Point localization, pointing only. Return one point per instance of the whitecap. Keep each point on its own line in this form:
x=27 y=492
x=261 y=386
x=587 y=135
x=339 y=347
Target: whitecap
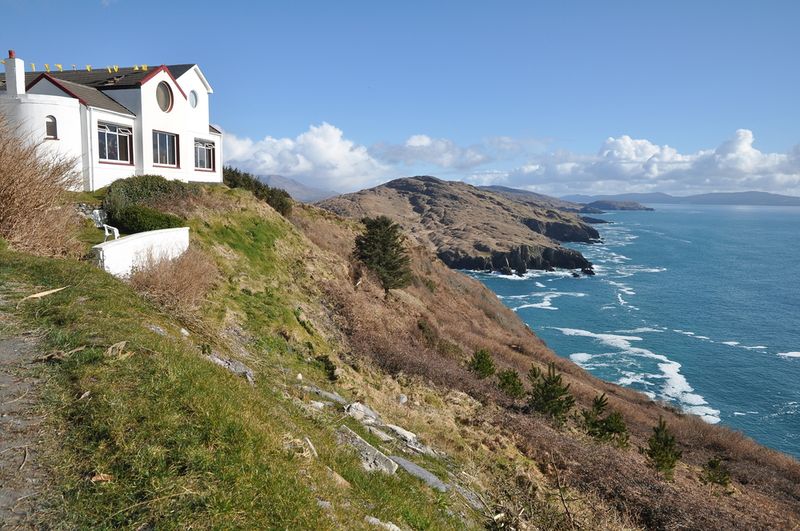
x=739 y=414
x=789 y=354
x=675 y=386
x=640 y=330
x=580 y=357
x=757 y=347
x=547 y=297
x=539 y=285
x=730 y=343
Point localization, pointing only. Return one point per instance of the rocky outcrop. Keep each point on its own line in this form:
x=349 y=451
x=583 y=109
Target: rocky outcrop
x=372 y=459
x=472 y=228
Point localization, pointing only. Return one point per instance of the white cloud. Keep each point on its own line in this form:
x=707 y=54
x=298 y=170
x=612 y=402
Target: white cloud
x=440 y=152
x=626 y=164
x=320 y=157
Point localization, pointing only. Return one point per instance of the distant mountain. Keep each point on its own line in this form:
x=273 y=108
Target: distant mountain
x=298 y=191
x=539 y=200
x=473 y=228
x=719 y=198
x=606 y=204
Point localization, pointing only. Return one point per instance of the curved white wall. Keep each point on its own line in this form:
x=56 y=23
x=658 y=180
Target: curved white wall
x=120 y=257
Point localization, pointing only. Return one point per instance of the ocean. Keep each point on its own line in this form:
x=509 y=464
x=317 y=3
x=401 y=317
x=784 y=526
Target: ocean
x=695 y=305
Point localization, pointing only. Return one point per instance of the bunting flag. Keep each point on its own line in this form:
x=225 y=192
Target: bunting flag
x=144 y=67
x=116 y=68
x=33 y=67
x=109 y=69
x=60 y=67
x=46 y=67
x=88 y=68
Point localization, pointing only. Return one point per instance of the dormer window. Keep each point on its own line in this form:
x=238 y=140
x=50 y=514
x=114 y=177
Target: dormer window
x=164 y=96
x=51 y=128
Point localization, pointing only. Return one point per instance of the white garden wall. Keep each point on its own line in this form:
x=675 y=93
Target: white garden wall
x=120 y=257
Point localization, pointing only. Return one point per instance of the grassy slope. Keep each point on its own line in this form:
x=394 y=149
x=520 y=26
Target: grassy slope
x=186 y=443
x=190 y=445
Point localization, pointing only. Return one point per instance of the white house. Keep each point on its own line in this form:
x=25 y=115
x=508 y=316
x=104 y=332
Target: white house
x=118 y=123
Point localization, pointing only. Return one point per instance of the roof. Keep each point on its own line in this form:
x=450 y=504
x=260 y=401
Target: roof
x=102 y=79
x=212 y=129
x=89 y=86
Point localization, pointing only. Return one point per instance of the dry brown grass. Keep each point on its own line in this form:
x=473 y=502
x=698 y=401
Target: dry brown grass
x=35 y=216
x=178 y=285
x=463 y=312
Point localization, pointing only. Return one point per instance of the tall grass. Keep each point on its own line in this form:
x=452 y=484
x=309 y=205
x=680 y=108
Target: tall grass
x=34 y=213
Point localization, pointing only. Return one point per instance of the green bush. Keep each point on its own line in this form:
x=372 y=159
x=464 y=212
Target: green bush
x=715 y=471
x=277 y=198
x=662 y=451
x=138 y=218
x=382 y=249
x=509 y=382
x=482 y=363
x=549 y=394
x=143 y=190
x=610 y=428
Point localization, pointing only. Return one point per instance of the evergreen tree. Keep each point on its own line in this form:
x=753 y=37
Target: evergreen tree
x=549 y=394
x=482 y=363
x=662 y=450
x=382 y=249
x=510 y=383
x=715 y=471
x=610 y=428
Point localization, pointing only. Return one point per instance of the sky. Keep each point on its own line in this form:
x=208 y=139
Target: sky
x=555 y=97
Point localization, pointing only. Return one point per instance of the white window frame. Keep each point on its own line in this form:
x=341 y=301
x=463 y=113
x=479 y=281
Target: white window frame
x=205 y=155
x=159 y=150
x=116 y=132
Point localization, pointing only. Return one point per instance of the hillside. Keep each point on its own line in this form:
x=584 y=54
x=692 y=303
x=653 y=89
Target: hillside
x=470 y=228
x=607 y=204
x=719 y=198
x=152 y=433
x=538 y=200
x=298 y=191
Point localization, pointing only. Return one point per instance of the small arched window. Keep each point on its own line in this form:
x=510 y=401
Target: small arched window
x=51 y=128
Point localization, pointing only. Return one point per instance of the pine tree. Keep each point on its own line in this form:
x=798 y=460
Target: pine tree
x=509 y=382
x=549 y=394
x=662 y=450
x=610 y=428
x=382 y=249
x=482 y=363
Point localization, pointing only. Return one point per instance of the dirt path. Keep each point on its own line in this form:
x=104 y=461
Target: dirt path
x=21 y=476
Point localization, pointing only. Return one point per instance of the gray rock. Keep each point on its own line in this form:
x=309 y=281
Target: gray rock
x=380 y=434
x=472 y=499
x=157 y=329
x=236 y=367
x=334 y=397
x=324 y=504
x=377 y=523
x=184 y=332
x=363 y=413
x=402 y=398
x=419 y=472
x=411 y=440
x=371 y=458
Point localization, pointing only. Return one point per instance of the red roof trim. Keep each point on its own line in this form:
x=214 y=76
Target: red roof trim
x=55 y=82
x=162 y=68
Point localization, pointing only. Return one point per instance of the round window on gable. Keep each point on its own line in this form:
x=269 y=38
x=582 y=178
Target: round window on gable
x=164 y=96
x=193 y=99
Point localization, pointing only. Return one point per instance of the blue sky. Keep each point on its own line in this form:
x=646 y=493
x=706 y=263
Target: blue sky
x=557 y=97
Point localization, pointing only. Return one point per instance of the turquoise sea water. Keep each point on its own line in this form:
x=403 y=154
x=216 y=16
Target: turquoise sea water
x=696 y=305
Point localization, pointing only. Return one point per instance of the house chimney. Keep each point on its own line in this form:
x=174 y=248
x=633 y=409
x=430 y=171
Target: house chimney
x=15 y=75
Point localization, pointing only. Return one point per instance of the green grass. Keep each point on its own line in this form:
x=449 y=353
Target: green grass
x=186 y=443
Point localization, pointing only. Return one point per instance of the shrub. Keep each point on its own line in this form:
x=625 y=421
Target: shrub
x=482 y=363
x=549 y=394
x=177 y=285
x=277 y=198
x=138 y=218
x=35 y=215
x=715 y=471
x=144 y=190
x=610 y=428
x=328 y=366
x=509 y=382
x=662 y=451
x=382 y=249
